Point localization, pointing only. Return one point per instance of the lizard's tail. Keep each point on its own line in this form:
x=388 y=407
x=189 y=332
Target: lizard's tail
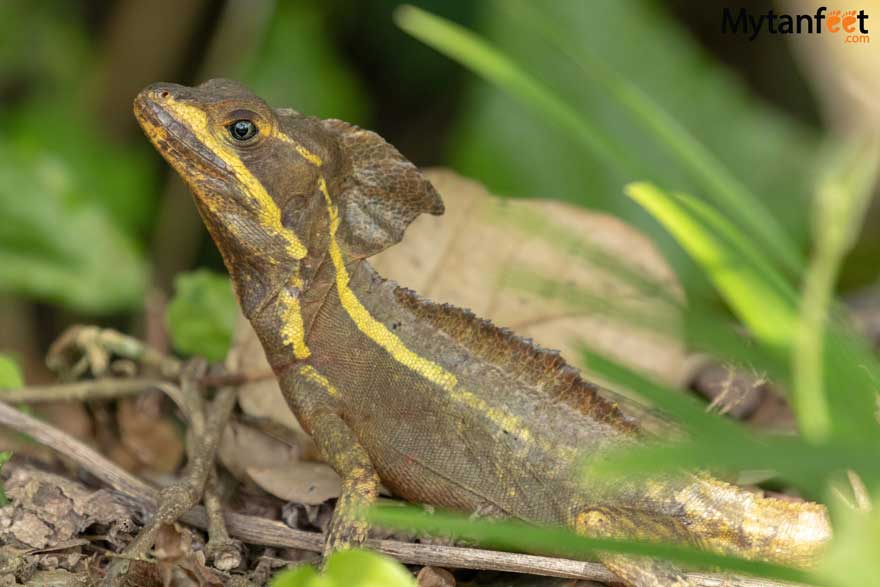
x=712 y=515
x=731 y=520
x=636 y=571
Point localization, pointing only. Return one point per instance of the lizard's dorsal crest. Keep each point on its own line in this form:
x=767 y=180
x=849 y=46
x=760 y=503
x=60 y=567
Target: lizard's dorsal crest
x=380 y=194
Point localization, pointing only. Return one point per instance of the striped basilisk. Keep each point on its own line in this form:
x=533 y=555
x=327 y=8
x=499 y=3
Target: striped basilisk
x=443 y=407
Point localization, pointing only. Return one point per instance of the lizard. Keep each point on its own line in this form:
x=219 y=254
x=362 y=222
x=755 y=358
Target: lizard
x=437 y=404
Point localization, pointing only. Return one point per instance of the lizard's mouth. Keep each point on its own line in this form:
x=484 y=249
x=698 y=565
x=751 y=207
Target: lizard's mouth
x=209 y=178
x=174 y=139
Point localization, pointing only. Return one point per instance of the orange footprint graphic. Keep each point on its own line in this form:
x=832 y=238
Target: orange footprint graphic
x=849 y=19
x=834 y=21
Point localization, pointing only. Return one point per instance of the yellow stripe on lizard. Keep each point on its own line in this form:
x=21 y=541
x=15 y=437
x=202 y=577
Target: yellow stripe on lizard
x=312 y=374
x=306 y=154
x=268 y=212
x=293 y=331
x=365 y=322
x=386 y=339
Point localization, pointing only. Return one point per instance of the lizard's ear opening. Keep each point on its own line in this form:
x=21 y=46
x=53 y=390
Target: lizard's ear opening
x=381 y=194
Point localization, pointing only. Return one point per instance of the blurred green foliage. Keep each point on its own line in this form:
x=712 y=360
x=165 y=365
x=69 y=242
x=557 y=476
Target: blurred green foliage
x=349 y=568
x=201 y=316
x=515 y=151
x=70 y=209
x=72 y=199
x=4 y=457
x=297 y=66
x=10 y=374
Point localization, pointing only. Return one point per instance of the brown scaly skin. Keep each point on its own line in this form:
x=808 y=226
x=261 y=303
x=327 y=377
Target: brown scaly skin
x=441 y=406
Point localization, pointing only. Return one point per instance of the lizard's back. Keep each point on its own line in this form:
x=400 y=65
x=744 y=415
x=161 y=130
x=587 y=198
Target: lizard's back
x=459 y=412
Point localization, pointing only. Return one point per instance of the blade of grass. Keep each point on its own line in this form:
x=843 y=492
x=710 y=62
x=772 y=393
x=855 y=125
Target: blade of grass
x=757 y=294
x=731 y=195
x=805 y=466
x=470 y=50
x=764 y=302
x=840 y=205
x=519 y=536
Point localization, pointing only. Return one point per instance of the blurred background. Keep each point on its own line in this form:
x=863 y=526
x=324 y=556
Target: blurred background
x=94 y=227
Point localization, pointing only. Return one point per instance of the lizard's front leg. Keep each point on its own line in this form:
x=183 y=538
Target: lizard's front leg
x=360 y=484
x=320 y=414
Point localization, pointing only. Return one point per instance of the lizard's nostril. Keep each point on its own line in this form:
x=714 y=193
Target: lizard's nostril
x=163 y=94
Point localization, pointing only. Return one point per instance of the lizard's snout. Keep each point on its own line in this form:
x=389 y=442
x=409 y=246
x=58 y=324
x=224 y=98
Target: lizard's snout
x=159 y=93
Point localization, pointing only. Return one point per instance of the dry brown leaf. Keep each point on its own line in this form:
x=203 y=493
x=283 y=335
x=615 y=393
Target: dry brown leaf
x=473 y=257
x=243 y=446
x=301 y=482
x=155 y=442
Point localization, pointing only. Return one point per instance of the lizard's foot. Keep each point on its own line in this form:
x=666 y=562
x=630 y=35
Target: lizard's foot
x=347 y=529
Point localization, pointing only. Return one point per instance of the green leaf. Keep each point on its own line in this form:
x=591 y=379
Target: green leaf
x=718 y=184
x=4 y=457
x=807 y=467
x=302 y=576
x=201 y=315
x=362 y=568
x=466 y=47
x=10 y=374
x=349 y=568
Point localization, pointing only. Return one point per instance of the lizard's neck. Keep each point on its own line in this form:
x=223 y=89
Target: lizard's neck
x=285 y=321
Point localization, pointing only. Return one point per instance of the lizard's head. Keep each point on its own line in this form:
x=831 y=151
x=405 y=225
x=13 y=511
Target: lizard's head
x=267 y=182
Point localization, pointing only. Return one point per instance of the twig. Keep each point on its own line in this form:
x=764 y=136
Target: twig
x=224 y=551
x=81 y=348
x=175 y=500
x=83 y=455
x=236 y=379
x=106 y=388
x=254 y=530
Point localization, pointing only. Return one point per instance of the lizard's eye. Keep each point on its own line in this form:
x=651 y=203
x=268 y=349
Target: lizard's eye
x=242 y=130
